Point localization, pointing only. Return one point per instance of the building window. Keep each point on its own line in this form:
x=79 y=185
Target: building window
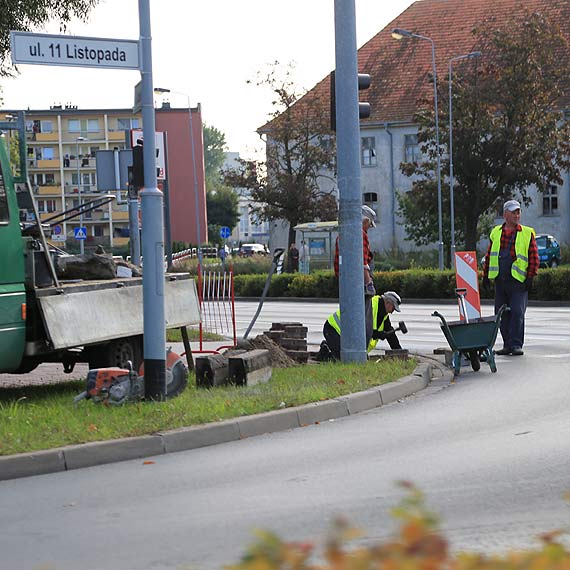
x=46 y=206
x=368 y=151
x=370 y=197
x=92 y=125
x=50 y=179
x=127 y=124
x=47 y=153
x=550 y=201
x=98 y=231
x=46 y=127
x=412 y=148
x=74 y=125
x=93 y=150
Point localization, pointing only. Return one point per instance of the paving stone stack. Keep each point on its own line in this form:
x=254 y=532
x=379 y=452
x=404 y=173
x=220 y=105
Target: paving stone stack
x=292 y=337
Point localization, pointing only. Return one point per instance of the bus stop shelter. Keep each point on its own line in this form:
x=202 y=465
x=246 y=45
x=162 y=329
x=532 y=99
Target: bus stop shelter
x=319 y=239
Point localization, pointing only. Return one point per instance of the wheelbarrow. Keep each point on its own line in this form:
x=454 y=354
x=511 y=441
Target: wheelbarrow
x=473 y=339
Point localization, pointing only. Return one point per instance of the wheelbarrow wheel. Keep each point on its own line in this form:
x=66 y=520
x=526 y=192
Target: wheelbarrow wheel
x=474 y=358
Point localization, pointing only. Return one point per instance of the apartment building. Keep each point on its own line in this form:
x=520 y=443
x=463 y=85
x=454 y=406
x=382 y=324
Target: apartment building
x=62 y=143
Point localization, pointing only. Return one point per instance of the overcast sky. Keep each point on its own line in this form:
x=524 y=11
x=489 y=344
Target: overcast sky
x=206 y=49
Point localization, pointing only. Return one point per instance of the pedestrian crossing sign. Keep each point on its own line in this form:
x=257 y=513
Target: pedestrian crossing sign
x=80 y=233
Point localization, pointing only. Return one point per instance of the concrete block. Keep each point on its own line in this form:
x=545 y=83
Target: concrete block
x=268 y=422
x=250 y=368
x=200 y=436
x=212 y=370
x=298 y=355
x=404 y=387
x=322 y=411
x=363 y=401
x=29 y=464
x=281 y=326
x=292 y=343
x=295 y=331
x=274 y=335
x=396 y=353
x=100 y=452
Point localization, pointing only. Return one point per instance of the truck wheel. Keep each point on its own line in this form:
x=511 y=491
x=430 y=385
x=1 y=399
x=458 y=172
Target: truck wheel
x=117 y=353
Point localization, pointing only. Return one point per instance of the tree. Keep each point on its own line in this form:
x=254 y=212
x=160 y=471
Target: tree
x=506 y=131
x=28 y=15
x=214 y=155
x=291 y=184
x=222 y=207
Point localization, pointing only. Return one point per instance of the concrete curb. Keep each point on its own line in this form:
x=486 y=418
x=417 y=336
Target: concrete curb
x=184 y=439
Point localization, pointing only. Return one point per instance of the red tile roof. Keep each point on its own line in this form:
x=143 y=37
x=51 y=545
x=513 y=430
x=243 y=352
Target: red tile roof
x=401 y=70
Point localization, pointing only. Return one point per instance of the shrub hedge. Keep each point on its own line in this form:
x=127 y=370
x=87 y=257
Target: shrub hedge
x=549 y=285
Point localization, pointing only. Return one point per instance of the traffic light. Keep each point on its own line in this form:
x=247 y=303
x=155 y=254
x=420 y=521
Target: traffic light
x=363 y=108
x=363 y=84
x=137 y=179
x=138 y=166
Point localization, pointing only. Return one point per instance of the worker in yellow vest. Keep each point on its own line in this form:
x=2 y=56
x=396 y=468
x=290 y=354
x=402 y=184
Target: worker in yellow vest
x=378 y=326
x=512 y=261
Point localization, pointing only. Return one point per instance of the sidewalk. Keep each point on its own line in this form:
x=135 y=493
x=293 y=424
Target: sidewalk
x=98 y=453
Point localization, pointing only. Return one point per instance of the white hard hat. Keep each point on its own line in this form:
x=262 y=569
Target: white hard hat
x=394 y=298
x=369 y=214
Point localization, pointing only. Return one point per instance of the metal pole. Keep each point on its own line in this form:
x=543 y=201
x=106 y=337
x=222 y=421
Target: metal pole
x=439 y=202
x=451 y=181
x=353 y=333
x=81 y=244
x=196 y=199
x=153 y=233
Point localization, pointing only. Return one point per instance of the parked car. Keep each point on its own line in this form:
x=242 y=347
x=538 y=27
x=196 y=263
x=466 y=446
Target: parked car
x=548 y=250
x=250 y=249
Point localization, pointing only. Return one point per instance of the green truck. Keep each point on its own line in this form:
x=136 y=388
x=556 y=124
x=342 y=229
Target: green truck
x=45 y=319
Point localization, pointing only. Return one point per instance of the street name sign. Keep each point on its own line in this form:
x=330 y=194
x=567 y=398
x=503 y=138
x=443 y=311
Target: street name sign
x=74 y=51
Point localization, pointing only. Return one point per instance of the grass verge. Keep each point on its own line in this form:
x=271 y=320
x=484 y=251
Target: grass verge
x=43 y=417
x=174 y=335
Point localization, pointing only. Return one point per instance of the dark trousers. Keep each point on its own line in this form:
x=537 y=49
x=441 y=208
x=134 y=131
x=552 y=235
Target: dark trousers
x=511 y=292
x=332 y=338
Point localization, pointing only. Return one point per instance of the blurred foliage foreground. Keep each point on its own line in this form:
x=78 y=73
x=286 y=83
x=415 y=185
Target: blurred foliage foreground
x=418 y=545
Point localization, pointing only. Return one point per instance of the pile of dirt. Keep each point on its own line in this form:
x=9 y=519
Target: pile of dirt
x=279 y=358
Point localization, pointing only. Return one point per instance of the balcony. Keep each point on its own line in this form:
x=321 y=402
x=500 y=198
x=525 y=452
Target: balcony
x=117 y=216
x=116 y=136
x=52 y=164
x=47 y=190
x=46 y=137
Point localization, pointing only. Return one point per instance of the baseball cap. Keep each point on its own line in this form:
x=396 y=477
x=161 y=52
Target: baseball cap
x=394 y=298
x=511 y=206
x=369 y=214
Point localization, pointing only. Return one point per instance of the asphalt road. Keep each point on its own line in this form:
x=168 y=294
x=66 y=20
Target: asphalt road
x=490 y=451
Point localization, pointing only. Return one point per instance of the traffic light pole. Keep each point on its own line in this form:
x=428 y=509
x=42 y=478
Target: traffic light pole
x=353 y=332
x=153 y=232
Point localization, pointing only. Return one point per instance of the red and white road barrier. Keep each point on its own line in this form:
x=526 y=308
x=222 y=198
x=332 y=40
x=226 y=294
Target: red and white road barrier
x=466 y=276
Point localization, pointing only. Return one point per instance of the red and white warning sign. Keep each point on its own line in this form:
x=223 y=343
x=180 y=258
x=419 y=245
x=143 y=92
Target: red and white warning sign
x=466 y=276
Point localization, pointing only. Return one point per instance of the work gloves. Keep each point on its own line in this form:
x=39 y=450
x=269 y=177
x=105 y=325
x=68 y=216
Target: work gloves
x=528 y=284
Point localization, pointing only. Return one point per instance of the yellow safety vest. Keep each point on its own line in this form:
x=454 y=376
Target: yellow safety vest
x=520 y=264
x=334 y=321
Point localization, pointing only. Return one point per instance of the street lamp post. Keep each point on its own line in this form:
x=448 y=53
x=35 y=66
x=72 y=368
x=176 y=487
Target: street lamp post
x=398 y=34
x=81 y=241
x=195 y=175
x=470 y=55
